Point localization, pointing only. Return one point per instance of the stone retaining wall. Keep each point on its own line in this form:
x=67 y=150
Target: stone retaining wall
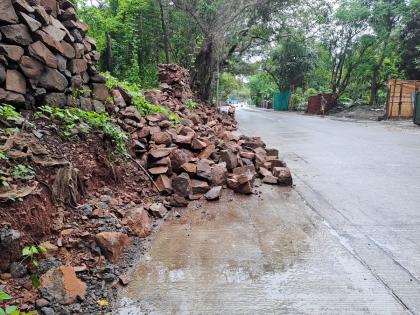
x=46 y=57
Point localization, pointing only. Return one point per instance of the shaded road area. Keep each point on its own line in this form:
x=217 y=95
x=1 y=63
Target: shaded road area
x=344 y=241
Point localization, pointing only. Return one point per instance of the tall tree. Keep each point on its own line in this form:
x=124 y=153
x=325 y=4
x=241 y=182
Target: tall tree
x=347 y=39
x=218 y=20
x=290 y=63
x=384 y=20
x=410 y=46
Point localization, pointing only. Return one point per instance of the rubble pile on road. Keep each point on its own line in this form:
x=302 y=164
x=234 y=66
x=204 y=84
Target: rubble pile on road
x=203 y=152
x=84 y=208
x=46 y=57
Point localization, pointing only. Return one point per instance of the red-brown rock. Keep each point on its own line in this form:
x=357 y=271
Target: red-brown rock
x=7 y=12
x=112 y=244
x=218 y=174
x=17 y=34
x=52 y=79
x=49 y=41
x=158 y=210
x=181 y=185
x=284 y=176
x=229 y=158
x=164 y=184
x=178 y=158
x=100 y=91
x=12 y=52
x=197 y=144
x=199 y=187
x=15 y=82
x=190 y=168
x=207 y=152
x=68 y=50
x=158 y=170
x=78 y=66
x=23 y=6
x=39 y=51
x=50 y=6
x=139 y=221
x=32 y=23
x=11 y=97
x=162 y=137
x=204 y=170
x=63 y=285
x=31 y=67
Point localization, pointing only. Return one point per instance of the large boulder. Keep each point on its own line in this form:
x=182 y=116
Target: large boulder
x=63 y=285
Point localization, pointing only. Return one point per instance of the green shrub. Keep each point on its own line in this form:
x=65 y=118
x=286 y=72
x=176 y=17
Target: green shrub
x=2 y=155
x=191 y=104
x=34 y=253
x=142 y=105
x=76 y=119
x=23 y=172
x=9 y=114
x=4 y=184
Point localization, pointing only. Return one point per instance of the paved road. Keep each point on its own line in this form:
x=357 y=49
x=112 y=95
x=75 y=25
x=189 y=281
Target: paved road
x=344 y=241
x=363 y=179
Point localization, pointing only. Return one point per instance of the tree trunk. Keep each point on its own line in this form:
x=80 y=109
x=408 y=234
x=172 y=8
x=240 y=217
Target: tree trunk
x=375 y=76
x=204 y=68
x=109 y=62
x=164 y=32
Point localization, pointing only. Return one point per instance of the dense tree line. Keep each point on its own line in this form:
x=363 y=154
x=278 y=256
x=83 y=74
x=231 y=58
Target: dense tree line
x=348 y=47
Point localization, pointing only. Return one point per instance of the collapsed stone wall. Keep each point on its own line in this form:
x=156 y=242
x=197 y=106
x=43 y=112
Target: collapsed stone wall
x=46 y=57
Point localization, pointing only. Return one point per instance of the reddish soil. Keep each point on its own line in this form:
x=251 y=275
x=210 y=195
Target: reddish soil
x=36 y=216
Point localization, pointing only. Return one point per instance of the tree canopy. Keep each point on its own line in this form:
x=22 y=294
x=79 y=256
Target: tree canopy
x=349 y=48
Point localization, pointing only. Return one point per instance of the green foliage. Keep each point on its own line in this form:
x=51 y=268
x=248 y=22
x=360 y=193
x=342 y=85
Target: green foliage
x=290 y=63
x=299 y=98
x=9 y=113
x=410 y=46
x=9 y=309
x=4 y=296
x=23 y=172
x=142 y=105
x=229 y=85
x=3 y=155
x=34 y=253
x=4 y=184
x=261 y=87
x=134 y=29
x=77 y=120
x=190 y=104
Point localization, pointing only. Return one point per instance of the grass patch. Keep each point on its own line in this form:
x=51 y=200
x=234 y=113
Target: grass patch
x=77 y=120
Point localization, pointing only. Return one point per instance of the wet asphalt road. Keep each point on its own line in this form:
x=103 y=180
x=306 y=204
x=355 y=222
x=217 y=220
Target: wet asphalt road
x=345 y=240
